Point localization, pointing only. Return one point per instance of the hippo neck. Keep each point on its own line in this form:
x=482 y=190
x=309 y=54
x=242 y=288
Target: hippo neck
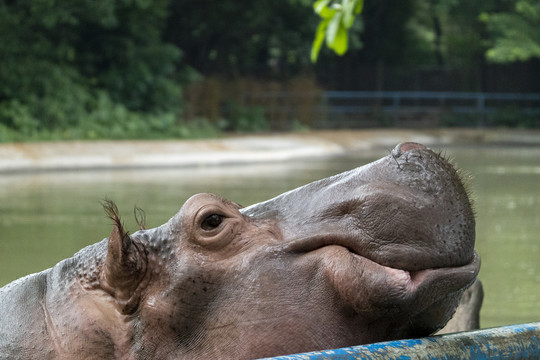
x=79 y=303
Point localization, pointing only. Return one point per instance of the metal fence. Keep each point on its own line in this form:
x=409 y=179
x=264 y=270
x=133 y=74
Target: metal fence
x=421 y=107
x=357 y=109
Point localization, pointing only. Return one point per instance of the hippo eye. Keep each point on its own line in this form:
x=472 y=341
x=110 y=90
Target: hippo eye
x=211 y=222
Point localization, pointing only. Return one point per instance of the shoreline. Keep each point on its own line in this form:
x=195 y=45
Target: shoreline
x=238 y=149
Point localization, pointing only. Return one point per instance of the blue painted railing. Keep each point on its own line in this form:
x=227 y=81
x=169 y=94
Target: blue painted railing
x=507 y=342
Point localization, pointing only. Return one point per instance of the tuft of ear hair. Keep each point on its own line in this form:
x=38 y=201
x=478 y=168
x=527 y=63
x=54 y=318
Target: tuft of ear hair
x=140 y=217
x=112 y=213
x=125 y=264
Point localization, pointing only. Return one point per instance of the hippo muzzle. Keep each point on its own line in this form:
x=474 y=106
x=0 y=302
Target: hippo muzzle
x=394 y=237
x=380 y=252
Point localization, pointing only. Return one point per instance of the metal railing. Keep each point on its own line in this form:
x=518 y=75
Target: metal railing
x=402 y=104
x=332 y=109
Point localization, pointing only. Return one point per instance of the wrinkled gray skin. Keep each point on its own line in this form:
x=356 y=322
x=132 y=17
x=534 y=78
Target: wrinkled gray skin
x=380 y=252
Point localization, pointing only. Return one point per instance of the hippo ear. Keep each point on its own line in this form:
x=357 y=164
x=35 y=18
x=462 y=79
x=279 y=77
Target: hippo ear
x=125 y=265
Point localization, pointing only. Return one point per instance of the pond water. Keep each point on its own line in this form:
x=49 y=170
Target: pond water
x=47 y=217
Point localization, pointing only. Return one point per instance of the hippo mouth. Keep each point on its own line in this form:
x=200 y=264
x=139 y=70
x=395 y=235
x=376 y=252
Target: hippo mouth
x=393 y=287
x=367 y=281
x=411 y=279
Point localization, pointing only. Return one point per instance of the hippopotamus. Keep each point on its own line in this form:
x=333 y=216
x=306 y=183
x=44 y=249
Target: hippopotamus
x=380 y=252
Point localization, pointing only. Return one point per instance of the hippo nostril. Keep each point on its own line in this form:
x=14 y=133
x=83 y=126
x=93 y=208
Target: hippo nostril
x=410 y=146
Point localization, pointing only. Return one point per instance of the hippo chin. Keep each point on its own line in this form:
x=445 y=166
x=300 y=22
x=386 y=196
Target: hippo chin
x=380 y=252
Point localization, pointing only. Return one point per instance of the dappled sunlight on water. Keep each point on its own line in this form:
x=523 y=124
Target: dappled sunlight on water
x=47 y=217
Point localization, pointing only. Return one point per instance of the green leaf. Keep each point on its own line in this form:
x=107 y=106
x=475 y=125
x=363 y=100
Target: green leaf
x=321 y=8
x=341 y=41
x=348 y=13
x=333 y=28
x=319 y=38
x=319 y=5
x=359 y=5
x=328 y=13
x=337 y=18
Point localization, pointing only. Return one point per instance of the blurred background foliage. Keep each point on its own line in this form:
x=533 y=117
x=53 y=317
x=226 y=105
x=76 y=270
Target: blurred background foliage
x=86 y=69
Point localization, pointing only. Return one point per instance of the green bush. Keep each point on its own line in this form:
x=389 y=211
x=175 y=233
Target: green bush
x=87 y=71
x=458 y=120
x=245 y=118
x=17 y=118
x=512 y=116
x=102 y=119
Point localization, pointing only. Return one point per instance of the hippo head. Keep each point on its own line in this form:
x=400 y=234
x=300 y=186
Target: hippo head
x=380 y=252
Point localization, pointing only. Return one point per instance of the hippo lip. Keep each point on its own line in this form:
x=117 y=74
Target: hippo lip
x=400 y=258
x=392 y=259
x=418 y=276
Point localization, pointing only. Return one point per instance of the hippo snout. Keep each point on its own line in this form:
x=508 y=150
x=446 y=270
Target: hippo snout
x=388 y=234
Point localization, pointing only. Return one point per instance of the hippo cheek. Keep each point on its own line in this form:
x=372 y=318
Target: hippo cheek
x=376 y=291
